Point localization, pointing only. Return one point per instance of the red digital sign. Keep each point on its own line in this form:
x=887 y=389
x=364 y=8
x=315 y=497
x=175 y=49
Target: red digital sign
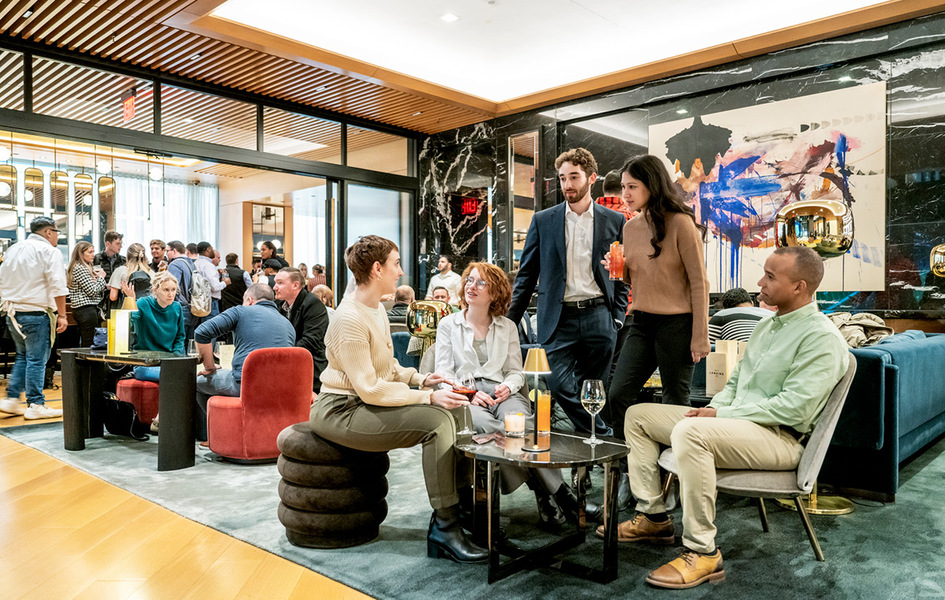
x=468 y=206
x=128 y=105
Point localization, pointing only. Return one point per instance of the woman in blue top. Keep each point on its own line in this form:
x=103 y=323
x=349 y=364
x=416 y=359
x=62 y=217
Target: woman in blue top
x=158 y=323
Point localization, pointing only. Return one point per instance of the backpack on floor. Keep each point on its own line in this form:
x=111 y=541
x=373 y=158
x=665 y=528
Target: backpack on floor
x=121 y=418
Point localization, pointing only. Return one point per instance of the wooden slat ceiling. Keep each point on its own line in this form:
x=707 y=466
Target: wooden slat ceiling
x=132 y=31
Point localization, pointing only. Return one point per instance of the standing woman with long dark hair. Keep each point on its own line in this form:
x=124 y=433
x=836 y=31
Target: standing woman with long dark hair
x=86 y=290
x=664 y=260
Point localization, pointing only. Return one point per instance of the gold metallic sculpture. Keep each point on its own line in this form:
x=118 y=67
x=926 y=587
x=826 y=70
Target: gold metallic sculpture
x=937 y=260
x=825 y=226
x=423 y=317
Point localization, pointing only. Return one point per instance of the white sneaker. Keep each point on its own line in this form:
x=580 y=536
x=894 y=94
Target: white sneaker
x=12 y=407
x=41 y=411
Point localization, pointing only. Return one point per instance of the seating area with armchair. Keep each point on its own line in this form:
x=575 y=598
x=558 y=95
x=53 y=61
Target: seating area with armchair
x=276 y=393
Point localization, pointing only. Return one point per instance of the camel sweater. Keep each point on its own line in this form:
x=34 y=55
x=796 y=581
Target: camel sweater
x=361 y=359
x=673 y=283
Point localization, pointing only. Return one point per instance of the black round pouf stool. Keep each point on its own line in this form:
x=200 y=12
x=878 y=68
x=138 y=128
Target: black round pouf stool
x=332 y=496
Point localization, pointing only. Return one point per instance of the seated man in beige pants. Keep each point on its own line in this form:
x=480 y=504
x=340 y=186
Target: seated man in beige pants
x=773 y=398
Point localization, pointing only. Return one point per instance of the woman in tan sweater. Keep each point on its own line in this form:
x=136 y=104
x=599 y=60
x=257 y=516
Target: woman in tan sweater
x=367 y=401
x=664 y=260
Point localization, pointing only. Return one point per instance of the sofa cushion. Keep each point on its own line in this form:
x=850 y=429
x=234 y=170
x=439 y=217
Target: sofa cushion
x=908 y=335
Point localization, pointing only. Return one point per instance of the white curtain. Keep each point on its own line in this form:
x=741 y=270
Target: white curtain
x=166 y=210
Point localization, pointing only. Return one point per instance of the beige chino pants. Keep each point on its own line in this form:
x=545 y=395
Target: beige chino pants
x=701 y=444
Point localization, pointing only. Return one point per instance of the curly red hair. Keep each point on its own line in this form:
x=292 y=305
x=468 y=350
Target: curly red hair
x=499 y=287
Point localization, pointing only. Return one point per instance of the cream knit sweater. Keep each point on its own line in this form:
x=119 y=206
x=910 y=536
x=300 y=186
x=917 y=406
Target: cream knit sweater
x=361 y=359
x=675 y=282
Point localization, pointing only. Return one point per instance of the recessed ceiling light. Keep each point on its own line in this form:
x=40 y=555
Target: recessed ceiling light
x=449 y=18
x=196 y=56
x=417 y=114
x=28 y=13
x=321 y=88
x=682 y=111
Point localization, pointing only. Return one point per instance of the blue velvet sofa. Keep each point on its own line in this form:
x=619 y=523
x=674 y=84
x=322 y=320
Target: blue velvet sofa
x=896 y=407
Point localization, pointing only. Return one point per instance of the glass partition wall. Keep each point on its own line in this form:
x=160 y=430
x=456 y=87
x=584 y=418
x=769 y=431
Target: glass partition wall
x=218 y=150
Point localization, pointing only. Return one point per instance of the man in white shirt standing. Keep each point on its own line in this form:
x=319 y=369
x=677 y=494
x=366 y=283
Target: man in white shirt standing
x=204 y=264
x=446 y=278
x=579 y=307
x=33 y=291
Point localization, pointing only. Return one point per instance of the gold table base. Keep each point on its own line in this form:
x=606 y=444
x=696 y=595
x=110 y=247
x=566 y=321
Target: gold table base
x=820 y=505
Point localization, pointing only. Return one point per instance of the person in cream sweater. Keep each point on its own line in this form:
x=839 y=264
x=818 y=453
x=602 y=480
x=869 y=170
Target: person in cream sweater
x=368 y=401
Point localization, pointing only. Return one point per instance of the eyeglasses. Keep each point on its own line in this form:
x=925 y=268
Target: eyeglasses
x=480 y=284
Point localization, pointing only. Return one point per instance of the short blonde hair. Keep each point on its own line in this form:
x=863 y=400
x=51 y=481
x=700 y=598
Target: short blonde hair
x=499 y=287
x=161 y=278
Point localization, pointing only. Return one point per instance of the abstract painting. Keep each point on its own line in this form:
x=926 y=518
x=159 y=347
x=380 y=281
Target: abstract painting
x=739 y=167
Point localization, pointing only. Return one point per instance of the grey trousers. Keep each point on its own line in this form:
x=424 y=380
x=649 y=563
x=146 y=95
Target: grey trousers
x=492 y=420
x=348 y=421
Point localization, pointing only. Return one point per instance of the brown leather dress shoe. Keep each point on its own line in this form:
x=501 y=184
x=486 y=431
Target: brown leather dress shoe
x=641 y=529
x=689 y=570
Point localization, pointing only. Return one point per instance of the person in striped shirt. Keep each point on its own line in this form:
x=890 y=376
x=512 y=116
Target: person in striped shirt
x=738 y=317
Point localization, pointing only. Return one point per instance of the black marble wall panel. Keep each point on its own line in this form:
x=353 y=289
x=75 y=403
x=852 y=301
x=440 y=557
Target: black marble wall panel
x=908 y=56
x=460 y=163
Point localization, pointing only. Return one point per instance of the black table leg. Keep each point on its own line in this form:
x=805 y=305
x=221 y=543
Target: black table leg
x=610 y=521
x=177 y=401
x=492 y=520
x=92 y=376
x=75 y=406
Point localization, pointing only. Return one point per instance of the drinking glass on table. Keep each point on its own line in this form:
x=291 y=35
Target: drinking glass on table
x=465 y=384
x=593 y=399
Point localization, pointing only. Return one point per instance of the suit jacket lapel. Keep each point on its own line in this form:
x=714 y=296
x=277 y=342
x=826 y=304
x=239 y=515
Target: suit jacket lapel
x=600 y=241
x=562 y=226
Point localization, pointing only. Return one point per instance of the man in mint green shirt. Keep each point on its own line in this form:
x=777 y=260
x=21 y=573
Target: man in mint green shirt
x=775 y=395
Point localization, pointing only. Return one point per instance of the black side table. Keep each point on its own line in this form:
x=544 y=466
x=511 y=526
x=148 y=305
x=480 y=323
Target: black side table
x=82 y=376
x=566 y=451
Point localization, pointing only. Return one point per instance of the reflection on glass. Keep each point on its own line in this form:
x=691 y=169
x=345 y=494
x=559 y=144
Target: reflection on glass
x=522 y=164
x=381 y=212
x=7 y=185
x=33 y=190
x=268 y=225
x=369 y=149
x=301 y=136
x=106 y=208
x=308 y=225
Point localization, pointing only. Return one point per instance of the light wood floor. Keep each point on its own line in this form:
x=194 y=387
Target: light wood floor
x=66 y=534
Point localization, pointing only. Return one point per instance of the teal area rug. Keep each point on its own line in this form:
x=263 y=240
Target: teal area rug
x=880 y=551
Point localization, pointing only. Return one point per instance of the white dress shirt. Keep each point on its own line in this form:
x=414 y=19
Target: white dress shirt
x=451 y=281
x=455 y=352
x=32 y=276
x=206 y=268
x=579 y=240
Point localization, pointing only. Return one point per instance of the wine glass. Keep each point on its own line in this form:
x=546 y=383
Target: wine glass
x=465 y=384
x=593 y=399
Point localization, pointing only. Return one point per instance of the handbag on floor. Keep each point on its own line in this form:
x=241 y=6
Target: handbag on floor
x=121 y=418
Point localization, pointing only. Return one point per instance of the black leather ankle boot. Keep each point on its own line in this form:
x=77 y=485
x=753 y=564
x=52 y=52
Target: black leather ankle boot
x=550 y=515
x=446 y=538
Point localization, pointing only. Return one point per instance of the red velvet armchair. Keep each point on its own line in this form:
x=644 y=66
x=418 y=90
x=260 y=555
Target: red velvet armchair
x=275 y=392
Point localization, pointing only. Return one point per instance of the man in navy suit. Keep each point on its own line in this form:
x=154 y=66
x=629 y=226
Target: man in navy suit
x=579 y=308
